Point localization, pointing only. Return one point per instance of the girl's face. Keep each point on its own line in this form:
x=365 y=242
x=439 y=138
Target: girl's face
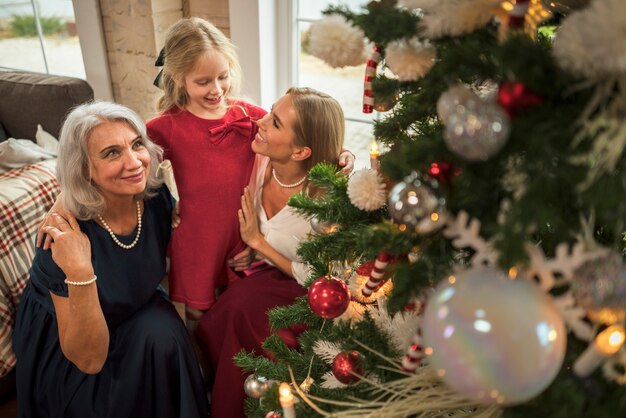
x=275 y=137
x=119 y=161
x=207 y=84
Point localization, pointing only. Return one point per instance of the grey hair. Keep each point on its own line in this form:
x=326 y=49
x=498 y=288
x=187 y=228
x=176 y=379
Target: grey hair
x=79 y=195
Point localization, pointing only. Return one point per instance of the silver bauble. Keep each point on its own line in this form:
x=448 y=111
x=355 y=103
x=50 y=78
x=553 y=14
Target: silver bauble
x=255 y=386
x=599 y=286
x=417 y=204
x=476 y=133
x=324 y=227
x=458 y=95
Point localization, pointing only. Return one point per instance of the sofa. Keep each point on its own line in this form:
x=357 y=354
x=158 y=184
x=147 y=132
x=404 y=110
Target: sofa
x=28 y=187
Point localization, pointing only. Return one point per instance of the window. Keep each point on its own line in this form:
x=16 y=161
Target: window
x=40 y=36
x=344 y=84
x=43 y=36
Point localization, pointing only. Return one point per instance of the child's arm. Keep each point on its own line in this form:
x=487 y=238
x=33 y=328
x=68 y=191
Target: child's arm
x=346 y=160
x=242 y=260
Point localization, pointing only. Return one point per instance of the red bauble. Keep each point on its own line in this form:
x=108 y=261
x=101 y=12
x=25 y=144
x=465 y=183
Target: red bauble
x=272 y=414
x=443 y=172
x=329 y=297
x=365 y=269
x=345 y=364
x=515 y=97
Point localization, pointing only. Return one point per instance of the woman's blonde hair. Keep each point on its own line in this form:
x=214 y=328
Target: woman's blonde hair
x=186 y=41
x=320 y=125
x=79 y=194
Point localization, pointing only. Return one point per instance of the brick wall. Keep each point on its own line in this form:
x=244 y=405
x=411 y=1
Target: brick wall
x=134 y=32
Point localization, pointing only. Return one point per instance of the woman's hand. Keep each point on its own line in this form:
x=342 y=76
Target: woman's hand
x=346 y=160
x=242 y=260
x=71 y=249
x=248 y=223
x=58 y=208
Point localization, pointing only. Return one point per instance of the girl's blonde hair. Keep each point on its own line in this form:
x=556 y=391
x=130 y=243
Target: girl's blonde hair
x=320 y=125
x=186 y=41
x=80 y=195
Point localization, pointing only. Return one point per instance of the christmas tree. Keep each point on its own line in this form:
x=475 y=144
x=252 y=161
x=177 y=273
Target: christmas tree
x=480 y=270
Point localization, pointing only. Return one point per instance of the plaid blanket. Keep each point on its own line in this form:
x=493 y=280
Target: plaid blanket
x=26 y=195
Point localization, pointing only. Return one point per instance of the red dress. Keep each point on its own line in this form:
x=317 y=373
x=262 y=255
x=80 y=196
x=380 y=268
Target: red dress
x=212 y=162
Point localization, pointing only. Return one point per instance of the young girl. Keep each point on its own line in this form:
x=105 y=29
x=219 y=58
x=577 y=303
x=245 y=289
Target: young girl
x=206 y=134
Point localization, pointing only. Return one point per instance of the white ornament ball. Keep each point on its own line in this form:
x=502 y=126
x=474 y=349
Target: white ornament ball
x=336 y=42
x=366 y=190
x=476 y=133
x=493 y=340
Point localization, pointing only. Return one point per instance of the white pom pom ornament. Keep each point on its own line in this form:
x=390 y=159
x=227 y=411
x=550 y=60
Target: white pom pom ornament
x=410 y=59
x=336 y=42
x=366 y=190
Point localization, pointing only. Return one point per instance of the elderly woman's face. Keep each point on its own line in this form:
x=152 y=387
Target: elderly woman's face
x=275 y=138
x=119 y=161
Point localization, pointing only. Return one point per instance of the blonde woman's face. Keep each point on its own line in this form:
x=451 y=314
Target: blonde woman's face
x=275 y=137
x=119 y=161
x=207 y=85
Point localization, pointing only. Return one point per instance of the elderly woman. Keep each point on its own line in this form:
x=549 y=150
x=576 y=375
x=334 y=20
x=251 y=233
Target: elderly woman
x=94 y=337
x=305 y=127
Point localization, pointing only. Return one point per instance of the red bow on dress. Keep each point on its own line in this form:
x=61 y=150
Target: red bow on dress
x=243 y=127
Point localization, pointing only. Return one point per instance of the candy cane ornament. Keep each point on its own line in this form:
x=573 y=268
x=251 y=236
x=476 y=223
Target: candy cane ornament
x=377 y=276
x=370 y=74
x=414 y=353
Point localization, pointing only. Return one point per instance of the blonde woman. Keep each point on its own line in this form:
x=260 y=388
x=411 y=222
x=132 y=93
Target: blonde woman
x=304 y=127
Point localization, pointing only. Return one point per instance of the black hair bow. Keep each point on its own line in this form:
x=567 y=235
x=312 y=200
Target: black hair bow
x=160 y=62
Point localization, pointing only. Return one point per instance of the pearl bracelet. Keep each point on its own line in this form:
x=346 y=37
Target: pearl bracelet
x=85 y=283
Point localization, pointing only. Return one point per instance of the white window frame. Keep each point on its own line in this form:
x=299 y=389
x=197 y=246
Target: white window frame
x=266 y=34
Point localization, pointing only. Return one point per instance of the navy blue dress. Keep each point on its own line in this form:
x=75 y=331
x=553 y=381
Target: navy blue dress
x=151 y=369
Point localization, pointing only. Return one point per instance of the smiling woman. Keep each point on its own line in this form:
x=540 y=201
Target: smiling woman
x=94 y=335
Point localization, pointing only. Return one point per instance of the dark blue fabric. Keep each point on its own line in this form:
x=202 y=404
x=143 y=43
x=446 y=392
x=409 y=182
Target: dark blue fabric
x=151 y=369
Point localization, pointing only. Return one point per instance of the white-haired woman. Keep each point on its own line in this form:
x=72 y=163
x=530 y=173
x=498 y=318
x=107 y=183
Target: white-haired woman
x=94 y=337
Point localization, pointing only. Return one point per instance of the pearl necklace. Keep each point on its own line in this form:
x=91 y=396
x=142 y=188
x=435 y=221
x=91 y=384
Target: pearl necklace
x=287 y=186
x=117 y=241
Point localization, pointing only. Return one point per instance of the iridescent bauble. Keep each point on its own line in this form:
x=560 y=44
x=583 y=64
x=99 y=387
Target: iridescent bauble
x=345 y=364
x=493 y=340
x=417 y=203
x=255 y=386
x=599 y=286
x=329 y=297
x=458 y=95
x=324 y=227
x=476 y=134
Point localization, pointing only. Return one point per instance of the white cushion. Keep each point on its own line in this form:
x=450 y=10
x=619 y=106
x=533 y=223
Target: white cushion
x=15 y=153
x=46 y=141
